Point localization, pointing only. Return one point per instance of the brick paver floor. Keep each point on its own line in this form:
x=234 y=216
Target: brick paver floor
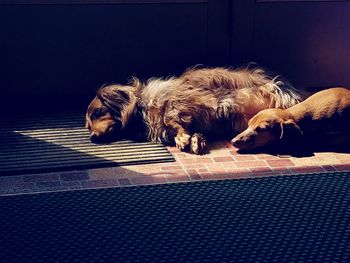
x=222 y=162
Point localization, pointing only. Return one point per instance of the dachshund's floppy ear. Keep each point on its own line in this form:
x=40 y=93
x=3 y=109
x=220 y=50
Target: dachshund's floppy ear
x=289 y=127
x=120 y=100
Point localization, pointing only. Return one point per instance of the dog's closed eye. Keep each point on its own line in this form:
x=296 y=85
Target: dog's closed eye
x=258 y=129
x=98 y=113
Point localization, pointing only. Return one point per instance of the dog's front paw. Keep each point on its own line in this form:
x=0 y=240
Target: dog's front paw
x=182 y=140
x=198 y=144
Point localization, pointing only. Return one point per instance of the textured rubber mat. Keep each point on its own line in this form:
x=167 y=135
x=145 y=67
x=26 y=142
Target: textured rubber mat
x=60 y=142
x=302 y=218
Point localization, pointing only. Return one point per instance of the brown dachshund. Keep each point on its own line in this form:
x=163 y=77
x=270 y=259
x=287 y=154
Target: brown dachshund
x=185 y=110
x=323 y=113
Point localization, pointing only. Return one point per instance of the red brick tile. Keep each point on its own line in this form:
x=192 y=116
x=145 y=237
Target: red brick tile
x=307 y=169
x=182 y=155
x=74 y=176
x=99 y=183
x=266 y=157
x=262 y=170
x=162 y=173
x=173 y=150
x=229 y=166
x=49 y=177
x=193 y=174
x=124 y=182
x=197 y=160
x=217 y=169
x=328 y=168
x=239 y=173
x=342 y=167
x=251 y=164
x=102 y=174
x=280 y=163
x=244 y=157
x=193 y=166
x=195 y=177
x=148 y=180
x=223 y=159
x=191 y=171
x=171 y=168
x=281 y=170
x=217 y=176
x=343 y=157
x=203 y=170
x=177 y=178
x=121 y=172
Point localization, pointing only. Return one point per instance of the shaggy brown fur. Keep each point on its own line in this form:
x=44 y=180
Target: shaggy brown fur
x=206 y=101
x=325 y=112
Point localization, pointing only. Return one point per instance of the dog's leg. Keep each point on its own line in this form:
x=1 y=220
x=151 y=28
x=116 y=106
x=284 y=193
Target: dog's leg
x=179 y=122
x=198 y=144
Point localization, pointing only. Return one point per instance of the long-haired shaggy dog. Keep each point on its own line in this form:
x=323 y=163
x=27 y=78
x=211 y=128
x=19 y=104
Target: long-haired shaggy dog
x=185 y=110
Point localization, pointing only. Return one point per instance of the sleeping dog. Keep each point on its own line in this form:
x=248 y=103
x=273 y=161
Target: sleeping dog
x=185 y=110
x=324 y=113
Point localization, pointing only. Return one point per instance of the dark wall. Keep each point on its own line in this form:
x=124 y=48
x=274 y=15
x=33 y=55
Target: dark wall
x=51 y=53
x=307 y=41
x=54 y=57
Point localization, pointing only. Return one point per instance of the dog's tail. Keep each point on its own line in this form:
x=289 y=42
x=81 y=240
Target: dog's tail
x=282 y=92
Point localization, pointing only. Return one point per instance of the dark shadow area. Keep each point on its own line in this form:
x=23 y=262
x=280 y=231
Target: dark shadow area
x=48 y=144
x=55 y=56
x=305 y=149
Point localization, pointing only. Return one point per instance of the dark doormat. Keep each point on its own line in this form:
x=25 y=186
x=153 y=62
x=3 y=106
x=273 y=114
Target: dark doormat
x=60 y=142
x=301 y=218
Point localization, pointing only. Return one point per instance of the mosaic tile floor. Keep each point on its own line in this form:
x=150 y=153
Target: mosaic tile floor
x=222 y=162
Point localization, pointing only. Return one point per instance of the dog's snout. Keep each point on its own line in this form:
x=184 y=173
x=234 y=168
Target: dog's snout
x=243 y=140
x=93 y=137
x=236 y=142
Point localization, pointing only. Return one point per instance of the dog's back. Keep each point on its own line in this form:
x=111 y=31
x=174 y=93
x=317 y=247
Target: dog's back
x=236 y=95
x=326 y=110
x=212 y=101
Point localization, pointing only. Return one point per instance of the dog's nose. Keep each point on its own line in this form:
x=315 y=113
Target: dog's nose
x=93 y=137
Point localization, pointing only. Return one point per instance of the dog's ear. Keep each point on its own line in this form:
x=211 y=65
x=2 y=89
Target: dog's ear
x=290 y=128
x=114 y=97
x=121 y=101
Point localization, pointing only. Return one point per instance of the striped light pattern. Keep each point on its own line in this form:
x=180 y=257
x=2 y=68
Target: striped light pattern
x=60 y=142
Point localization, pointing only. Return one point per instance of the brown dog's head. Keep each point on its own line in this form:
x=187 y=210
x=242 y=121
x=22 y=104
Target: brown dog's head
x=110 y=111
x=266 y=127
